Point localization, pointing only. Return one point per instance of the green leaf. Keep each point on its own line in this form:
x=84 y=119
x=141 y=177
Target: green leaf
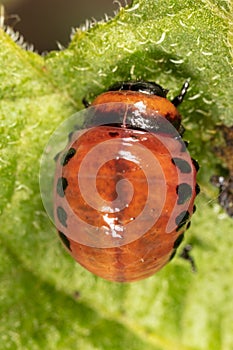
x=47 y=300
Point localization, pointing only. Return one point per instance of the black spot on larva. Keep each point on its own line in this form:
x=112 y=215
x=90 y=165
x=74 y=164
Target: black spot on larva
x=184 y=192
x=195 y=163
x=62 y=216
x=188 y=225
x=194 y=208
x=64 y=239
x=197 y=189
x=61 y=186
x=113 y=133
x=182 y=165
x=172 y=255
x=181 y=219
x=67 y=157
x=178 y=241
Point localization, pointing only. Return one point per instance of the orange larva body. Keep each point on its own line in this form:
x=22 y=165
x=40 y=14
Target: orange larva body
x=110 y=238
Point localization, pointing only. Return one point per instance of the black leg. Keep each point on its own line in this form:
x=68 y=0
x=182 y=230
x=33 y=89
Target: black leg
x=85 y=102
x=185 y=254
x=178 y=99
